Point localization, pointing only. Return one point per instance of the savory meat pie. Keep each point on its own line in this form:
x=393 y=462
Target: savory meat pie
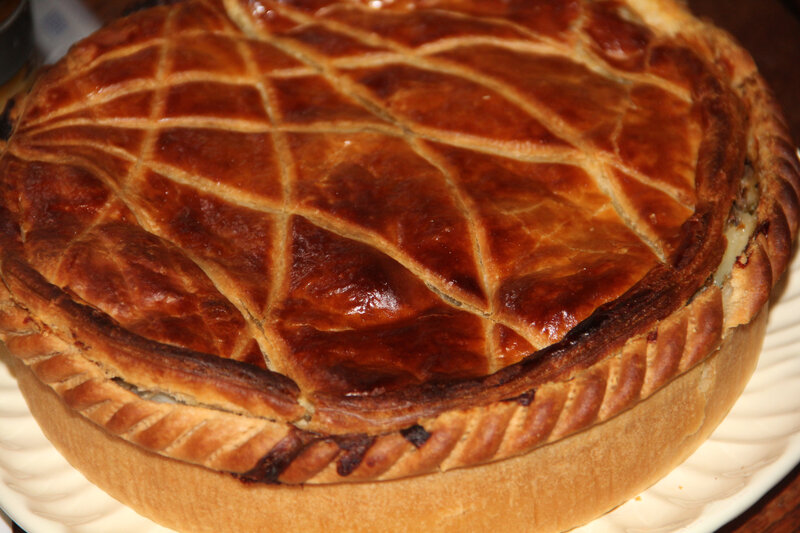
x=370 y=265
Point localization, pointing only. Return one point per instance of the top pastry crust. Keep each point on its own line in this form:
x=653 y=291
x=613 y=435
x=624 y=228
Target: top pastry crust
x=316 y=241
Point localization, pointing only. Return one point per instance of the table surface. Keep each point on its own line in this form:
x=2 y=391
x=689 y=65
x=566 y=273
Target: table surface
x=770 y=30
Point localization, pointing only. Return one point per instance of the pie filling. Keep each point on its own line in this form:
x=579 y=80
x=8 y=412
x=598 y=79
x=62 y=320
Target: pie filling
x=741 y=226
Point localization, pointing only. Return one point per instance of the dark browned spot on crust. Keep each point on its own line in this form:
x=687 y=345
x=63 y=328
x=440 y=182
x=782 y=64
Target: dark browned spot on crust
x=524 y=399
x=416 y=435
x=270 y=467
x=354 y=447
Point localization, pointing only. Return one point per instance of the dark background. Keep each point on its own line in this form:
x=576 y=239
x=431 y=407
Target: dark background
x=770 y=30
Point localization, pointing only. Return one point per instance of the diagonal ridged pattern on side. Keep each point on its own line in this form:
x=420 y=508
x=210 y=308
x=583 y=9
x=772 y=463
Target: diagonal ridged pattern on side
x=313 y=249
x=729 y=472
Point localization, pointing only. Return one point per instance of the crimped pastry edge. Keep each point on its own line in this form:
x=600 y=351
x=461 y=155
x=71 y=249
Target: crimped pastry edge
x=539 y=491
x=461 y=437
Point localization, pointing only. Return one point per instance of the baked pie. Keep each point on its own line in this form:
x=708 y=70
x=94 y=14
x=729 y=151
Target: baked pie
x=407 y=265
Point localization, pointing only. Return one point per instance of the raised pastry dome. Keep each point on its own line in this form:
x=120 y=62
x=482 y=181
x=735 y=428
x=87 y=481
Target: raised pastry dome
x=358 y=223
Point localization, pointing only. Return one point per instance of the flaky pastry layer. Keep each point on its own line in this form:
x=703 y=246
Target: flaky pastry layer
x=349 y=242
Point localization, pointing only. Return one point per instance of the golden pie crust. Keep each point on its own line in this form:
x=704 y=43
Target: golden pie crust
x=390 y=265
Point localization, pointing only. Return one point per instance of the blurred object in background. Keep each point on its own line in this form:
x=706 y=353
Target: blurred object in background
x=59 y=23
x=33 y=32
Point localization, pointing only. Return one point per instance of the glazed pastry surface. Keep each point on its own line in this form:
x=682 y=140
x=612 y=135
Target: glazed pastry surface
x=344 y=217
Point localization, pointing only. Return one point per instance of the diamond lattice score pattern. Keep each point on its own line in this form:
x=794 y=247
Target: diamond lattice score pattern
x=357 y=198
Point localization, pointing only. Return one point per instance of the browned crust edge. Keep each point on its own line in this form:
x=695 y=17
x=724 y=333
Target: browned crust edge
x=542 y=491
x=510 y=422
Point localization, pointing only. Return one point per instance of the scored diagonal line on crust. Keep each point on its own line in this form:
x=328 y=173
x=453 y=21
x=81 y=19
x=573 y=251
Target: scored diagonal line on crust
x=422 y=57
x=405 y=54
x=350 y=89
x=470 y=74
x=512 y=420
x=158 y=104
x=372 y=102
x=281 y=238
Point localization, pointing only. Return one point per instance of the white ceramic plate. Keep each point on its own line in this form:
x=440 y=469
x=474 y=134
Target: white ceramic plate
x=754 y=448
